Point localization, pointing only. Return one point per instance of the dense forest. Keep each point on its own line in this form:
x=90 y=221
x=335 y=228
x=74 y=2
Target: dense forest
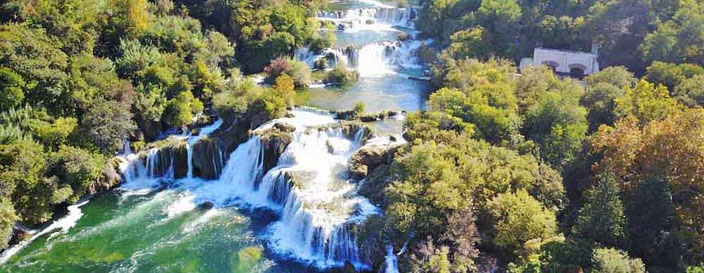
x=526 y=172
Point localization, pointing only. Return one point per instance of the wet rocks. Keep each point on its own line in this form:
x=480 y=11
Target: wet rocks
x=208 y=158
x=109 y=178
x=171 y=152
x=274 y=141
x=370 y=157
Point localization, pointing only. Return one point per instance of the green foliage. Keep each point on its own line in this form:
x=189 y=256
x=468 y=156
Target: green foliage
x=646 y=103
x=569 y=255
x=518 y=218
x=297 y=70
x=34 y=56
x=603 y=88
x=11 y=85
x=237 y=96
x=107 y=125
x=601 y=219
x=7 y=221
x=341 y=76
x=690 y=92
x=553 y=117
x=181 y=109
x=80 y=168
x=651 y=223
x=23 y=180
x=609 y=260
x=274 y=102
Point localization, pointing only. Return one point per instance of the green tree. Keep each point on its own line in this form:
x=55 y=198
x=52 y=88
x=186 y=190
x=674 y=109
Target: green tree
x=518 y=218
x=107 y=125
x=645 y=103
x=601 y=219
x=603 y=89
x=690 y=92
x=81 y=169
x=36 y=58
x=11 y=85
x=610 y=260
x=7 y=221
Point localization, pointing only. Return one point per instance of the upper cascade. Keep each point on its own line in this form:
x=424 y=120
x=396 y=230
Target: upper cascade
x=355 y=18
x=309 y=187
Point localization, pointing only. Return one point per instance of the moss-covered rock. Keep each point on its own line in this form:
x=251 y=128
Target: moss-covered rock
x=208 y=158
x=110 y=176
x=370 y=157
x=274 y=142
x=170 y=152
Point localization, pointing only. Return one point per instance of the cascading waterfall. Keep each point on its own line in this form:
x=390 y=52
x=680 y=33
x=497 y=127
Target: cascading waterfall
x=373 y=60
x=391 y=260
x=356 y=18
x=319 y=207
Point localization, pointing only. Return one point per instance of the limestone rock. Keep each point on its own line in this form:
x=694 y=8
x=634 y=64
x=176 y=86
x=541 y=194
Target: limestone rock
x=274 y=142
x=208 y=158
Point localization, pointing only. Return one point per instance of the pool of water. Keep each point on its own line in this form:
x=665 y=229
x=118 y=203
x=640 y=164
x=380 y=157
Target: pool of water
x=155 y=232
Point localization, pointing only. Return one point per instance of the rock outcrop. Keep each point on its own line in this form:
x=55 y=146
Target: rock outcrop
x=208 y=158
x=274 y=142
x=369 y=157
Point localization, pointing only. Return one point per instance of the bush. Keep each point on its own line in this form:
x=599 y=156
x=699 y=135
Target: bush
x=342 y=76
x=610 y=260
x=297 y=70
x=320 y=64
x=275 y=100
x=325 y=40
x=80 y=168
x=180 y=110
x=108 y=124
x=7 y=221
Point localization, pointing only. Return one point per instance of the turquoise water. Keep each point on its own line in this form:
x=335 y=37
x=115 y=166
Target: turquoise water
x=157 y=232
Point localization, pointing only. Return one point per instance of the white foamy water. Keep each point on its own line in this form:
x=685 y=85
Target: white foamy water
x=377 y=59
x=391 y=260
x=59 y=226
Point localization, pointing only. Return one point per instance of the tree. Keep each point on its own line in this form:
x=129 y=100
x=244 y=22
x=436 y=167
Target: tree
x=601 y=218
x=24 y=179
x=645 y=103
x=518 y=218
x=651 y=224
x=180 y=110
x=603 y=89
x=610 y=260
x=34 y=56
x=79 y=168
x=7 y=221
x=11 y=85
x=553 y=117
x=107 y=125
x=690 y=92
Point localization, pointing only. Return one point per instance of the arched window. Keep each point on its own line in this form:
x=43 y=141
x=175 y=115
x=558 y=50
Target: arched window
x=552 y=64
x=577 y=71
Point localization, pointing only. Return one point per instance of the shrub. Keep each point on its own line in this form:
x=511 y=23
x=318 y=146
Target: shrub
x=340 y=75
x=297 y=70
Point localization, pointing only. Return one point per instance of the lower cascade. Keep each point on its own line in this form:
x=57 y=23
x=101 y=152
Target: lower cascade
x=309 y=189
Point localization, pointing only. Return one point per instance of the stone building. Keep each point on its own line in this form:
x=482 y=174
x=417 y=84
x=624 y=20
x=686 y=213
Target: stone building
x=570 y=63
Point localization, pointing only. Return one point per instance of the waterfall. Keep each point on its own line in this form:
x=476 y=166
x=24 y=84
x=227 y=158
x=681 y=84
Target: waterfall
x=319 y=208
x=373 y=60
x=391 y=261
x=203 y=133
x=355 y=18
